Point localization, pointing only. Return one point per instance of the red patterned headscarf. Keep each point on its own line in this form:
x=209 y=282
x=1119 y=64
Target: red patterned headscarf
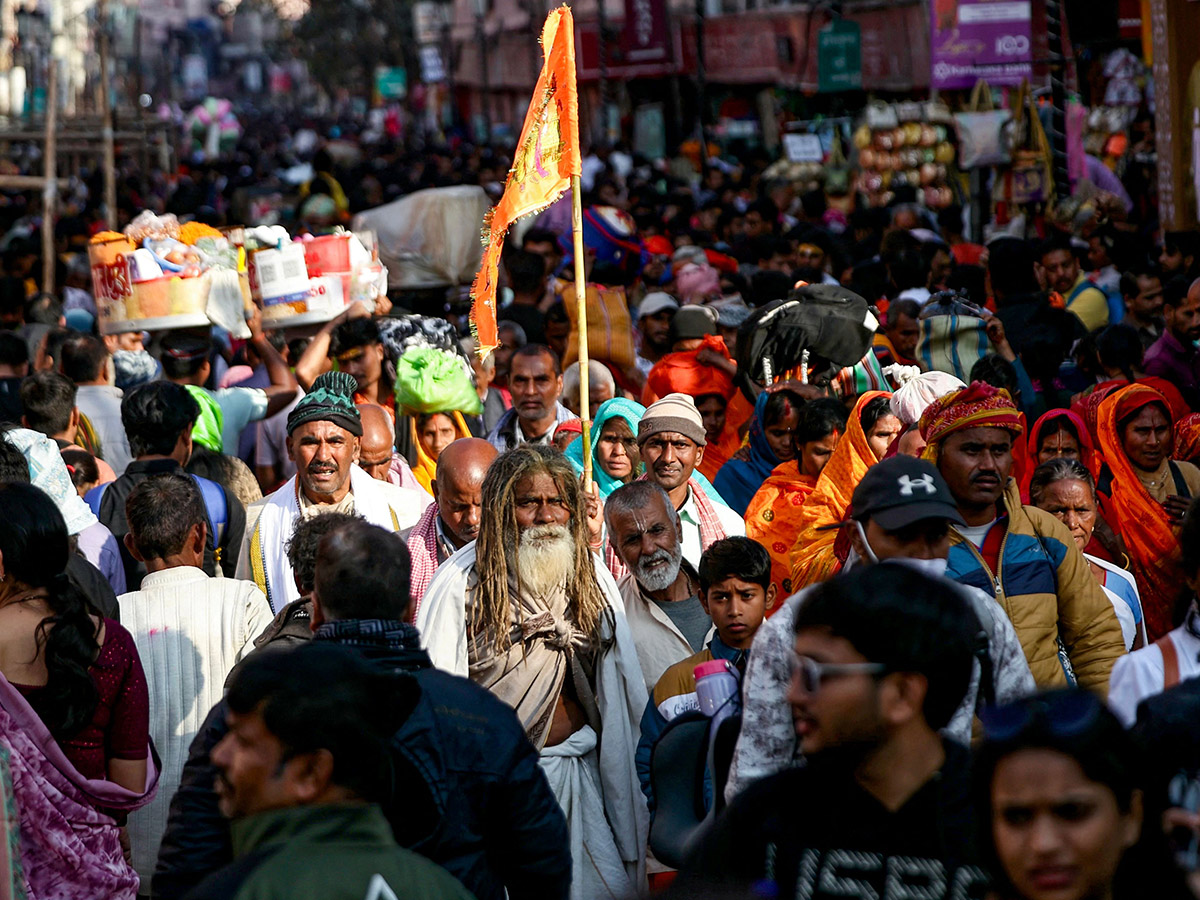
x=978 y=405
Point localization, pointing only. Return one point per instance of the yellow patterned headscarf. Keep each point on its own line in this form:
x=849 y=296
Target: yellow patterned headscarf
x=978 y=405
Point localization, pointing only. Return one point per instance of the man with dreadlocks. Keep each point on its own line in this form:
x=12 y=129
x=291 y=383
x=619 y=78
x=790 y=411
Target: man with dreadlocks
x=533 y=616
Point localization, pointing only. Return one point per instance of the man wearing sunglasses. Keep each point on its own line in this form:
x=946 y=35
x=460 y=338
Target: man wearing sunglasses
x=901 y=513
x=882 y=658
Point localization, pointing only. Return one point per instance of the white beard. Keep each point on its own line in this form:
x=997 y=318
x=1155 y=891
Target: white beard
x=545 y=557
x=661 y=577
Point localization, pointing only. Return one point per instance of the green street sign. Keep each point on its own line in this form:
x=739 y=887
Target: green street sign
x=839 y=57
x=391 y=82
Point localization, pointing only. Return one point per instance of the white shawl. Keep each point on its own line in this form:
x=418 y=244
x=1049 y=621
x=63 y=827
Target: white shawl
x=378 y=502
x=620 y=694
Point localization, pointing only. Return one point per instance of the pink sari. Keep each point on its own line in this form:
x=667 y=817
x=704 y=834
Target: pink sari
x=70 y=850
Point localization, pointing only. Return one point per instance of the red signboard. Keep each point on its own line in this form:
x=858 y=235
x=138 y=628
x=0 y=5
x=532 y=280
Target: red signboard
x=647 y=36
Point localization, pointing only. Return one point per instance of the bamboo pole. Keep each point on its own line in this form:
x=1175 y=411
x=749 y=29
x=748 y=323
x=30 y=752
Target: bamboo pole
x=585 y=406
x=50 y=186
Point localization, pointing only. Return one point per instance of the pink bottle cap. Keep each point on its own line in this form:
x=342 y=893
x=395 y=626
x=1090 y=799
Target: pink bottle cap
x=712 y=667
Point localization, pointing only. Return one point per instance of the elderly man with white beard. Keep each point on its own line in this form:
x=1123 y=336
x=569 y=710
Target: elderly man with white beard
x=661 y=590
x=531 y=614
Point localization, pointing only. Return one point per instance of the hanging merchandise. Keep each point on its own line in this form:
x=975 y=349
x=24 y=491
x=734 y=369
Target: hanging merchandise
x=906 y=144
x=980 y=130
x=1030 y=179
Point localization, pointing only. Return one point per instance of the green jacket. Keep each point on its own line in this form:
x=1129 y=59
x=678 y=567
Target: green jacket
x=324 y=853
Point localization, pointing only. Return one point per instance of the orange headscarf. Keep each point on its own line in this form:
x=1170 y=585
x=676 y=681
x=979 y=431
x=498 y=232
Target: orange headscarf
x=426 y=466
x=813 y=558
x=773 y=518
x=1187 y=438
x=1152 y=543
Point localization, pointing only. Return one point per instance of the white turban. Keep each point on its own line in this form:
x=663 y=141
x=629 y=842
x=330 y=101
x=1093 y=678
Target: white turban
x=914 y=397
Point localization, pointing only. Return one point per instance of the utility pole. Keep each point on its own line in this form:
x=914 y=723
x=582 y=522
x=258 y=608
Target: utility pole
x=481 y=40
x=1058 y=99
x=110 y=157
x=50 y=185
x=701 y=86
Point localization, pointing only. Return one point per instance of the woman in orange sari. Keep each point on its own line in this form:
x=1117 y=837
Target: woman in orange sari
x=431 y=433
x=869 y=431
x=773 y=516
x=1144 y=495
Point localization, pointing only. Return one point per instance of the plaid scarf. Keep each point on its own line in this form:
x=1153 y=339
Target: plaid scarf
x=389 y=634
x=422 y=547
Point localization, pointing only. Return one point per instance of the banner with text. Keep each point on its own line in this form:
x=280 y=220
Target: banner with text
x=988 y=39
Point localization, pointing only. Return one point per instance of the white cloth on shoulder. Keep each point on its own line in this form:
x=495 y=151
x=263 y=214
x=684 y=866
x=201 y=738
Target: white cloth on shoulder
x=620 y=696
x=573 y=772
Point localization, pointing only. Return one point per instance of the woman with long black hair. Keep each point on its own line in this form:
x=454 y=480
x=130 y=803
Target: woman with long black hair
x=73 y=709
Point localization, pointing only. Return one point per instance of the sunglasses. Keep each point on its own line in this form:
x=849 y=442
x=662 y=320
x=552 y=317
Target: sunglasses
x=812 y=674
x=1063 y=715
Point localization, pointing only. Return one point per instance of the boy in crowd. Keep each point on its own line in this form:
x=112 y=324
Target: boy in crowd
x=735 y=591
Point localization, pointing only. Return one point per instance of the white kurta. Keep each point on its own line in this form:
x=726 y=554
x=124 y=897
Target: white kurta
x=1139 y=675
x=270 y=522
x=190 y=630
x=621 y=699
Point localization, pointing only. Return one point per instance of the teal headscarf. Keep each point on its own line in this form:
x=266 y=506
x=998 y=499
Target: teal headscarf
x=616 y=408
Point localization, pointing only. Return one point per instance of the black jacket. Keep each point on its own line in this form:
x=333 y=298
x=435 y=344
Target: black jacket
x=470 y=794
x=1040 y=334
x=815 y=833
x=112 y=514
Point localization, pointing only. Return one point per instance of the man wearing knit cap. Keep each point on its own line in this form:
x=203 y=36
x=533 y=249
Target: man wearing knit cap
x=671 y=439
x=1023 y=555
x=324 y=429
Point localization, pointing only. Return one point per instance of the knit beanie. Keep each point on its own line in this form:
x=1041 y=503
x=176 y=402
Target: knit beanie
x=330 y=400
x=674 y=412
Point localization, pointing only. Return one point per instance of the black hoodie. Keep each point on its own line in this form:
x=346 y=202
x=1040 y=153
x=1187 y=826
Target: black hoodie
x=814 y=833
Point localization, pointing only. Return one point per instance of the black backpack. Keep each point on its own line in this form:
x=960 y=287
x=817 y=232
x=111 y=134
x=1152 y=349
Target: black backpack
x=834 y=325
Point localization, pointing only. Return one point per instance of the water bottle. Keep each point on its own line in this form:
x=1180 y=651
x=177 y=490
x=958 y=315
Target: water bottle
x=717 y=690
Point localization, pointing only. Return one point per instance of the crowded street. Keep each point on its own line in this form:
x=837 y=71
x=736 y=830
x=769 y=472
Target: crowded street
x=462 y=450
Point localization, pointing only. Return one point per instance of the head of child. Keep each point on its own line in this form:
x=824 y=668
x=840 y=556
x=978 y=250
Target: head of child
x=736 y=589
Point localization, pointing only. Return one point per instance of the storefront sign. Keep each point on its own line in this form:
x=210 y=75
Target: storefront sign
x=973 y=39
x=647 y=37
x=391 y=82
x=839 y=57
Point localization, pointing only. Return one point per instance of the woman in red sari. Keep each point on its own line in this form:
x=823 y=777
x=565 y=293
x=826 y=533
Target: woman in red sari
x=1144 y=494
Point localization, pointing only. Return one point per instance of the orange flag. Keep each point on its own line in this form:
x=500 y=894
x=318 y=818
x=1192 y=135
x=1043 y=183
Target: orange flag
x=546 y=157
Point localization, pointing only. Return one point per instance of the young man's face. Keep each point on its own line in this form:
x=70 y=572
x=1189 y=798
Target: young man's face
x=1062 y=270
x=844 y=709
x=656 y=329
x=1172 y=261
x=1183 y=320
x=737 y=608
x=904 y=333
x=535 y=387
x=251 y=774
x=926 y=539
x=1148 y=301
x=549 y=252
x=670 y=458
x=712 y=411
x=365 y=364
x=976 y=463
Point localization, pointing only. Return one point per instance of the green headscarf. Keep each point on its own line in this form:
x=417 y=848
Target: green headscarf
x=207 y=430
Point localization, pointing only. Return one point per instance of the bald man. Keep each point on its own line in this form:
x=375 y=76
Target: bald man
x=377 y=454
x=452 y=521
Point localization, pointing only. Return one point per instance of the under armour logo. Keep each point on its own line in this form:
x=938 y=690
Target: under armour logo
x=907 y=484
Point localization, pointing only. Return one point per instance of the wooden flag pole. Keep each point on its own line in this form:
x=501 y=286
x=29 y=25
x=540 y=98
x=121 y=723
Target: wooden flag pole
x=585 y=407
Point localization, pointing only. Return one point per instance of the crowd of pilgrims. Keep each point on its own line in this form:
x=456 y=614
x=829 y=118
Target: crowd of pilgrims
x=267 y=632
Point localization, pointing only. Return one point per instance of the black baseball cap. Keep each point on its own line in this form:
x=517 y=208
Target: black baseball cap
x=901 y=490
